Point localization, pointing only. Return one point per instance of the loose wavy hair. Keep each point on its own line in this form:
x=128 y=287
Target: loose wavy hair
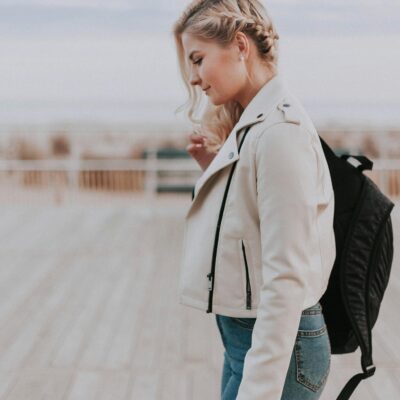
x=220 y=20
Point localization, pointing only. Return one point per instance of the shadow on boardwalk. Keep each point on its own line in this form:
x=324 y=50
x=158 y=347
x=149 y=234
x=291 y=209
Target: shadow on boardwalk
x=89 y=310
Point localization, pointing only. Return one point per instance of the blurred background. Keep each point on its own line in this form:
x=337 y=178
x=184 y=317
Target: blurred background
x=95 y=181
x=86 y=80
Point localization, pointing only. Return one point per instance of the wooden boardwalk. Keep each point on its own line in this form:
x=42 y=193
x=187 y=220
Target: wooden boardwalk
x=89 y=311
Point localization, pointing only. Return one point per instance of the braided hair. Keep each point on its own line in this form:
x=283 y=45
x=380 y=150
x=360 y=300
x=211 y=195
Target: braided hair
x=220 y=20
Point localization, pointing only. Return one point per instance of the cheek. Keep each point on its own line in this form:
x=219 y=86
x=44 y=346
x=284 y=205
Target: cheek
x=223 y=75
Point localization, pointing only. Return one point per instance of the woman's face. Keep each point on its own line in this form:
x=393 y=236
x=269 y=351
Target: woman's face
x=218 y=71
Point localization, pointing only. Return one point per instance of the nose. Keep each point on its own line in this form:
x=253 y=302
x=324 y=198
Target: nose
x=194 y=78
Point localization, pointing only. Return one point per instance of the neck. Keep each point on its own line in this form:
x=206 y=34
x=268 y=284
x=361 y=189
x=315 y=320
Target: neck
x=252 y=88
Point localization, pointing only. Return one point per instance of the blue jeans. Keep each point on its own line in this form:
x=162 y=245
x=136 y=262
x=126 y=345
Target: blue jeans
x=309 y=365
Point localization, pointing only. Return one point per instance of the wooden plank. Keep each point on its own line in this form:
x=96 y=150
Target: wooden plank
x=114 y=385
x=89 y=310
x=85 y=386
x=39 y=384
x=8 y=380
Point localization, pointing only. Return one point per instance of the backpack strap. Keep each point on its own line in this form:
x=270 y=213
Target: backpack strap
x=351 y=385
x=366 y=163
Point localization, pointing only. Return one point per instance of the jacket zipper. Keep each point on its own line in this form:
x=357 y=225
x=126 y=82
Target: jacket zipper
x=211 y=275
x=248 y=286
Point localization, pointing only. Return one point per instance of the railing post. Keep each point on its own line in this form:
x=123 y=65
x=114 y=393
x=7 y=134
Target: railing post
x=73 y=173
x=151 y=180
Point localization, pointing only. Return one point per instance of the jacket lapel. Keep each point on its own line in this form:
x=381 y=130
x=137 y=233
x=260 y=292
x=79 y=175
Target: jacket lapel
x=226 y=155
x=257 y=111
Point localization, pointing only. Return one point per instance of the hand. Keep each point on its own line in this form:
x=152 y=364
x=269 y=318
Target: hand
x=197 y=150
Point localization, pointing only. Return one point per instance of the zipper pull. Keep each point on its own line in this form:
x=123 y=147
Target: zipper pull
x=248 y=300
x=210 y=280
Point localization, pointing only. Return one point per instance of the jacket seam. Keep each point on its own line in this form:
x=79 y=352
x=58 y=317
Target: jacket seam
x=316 y=221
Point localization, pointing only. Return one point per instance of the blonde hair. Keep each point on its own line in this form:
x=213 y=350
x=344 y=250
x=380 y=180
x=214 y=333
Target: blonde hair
x=220 y=20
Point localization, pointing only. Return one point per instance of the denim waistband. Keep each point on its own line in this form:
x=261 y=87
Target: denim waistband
x=315 y=309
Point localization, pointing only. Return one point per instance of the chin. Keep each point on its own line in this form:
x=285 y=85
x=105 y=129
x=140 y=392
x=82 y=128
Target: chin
x=217 y=101
x=220 y=100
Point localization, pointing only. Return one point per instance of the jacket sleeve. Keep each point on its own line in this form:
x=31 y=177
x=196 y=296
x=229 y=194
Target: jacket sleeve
x=286 y=175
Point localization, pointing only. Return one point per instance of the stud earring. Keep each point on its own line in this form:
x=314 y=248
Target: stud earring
x=241 y=57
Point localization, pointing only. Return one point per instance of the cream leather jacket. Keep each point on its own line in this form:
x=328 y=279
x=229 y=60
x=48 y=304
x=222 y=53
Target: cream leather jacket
x=269 y=252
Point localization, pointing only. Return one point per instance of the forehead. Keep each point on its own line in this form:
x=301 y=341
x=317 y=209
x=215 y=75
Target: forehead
x=192 y=43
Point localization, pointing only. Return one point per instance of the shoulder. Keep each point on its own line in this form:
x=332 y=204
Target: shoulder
x=287 y=136
x=287 y=122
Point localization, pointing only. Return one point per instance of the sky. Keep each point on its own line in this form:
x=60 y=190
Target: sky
x=96 y=60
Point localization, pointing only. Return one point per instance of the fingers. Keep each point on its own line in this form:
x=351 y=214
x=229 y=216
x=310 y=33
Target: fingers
x=196 y=144
x=194 y=148
x=200 y=154
x=195 y=138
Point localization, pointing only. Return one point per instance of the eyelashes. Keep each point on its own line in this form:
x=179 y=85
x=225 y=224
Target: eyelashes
x=198 y=61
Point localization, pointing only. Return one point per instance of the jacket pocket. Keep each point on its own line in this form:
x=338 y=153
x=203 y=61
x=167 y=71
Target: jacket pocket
x=248 y=284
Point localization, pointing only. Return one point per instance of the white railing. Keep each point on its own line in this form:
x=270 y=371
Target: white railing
x=63 y=180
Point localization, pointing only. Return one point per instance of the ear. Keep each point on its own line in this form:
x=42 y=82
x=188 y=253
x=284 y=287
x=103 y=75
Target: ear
x=242 y=43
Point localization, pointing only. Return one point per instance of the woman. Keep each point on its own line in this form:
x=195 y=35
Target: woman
x=259 y=242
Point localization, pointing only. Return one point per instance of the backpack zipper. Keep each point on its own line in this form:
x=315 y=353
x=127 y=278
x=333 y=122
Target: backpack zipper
x=248 y=286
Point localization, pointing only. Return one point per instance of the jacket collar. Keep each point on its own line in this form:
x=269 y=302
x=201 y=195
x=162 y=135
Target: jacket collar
x=261 y=105
x=263 y=102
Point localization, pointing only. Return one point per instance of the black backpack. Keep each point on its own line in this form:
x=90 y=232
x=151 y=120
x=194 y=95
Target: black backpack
x=364 y=254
